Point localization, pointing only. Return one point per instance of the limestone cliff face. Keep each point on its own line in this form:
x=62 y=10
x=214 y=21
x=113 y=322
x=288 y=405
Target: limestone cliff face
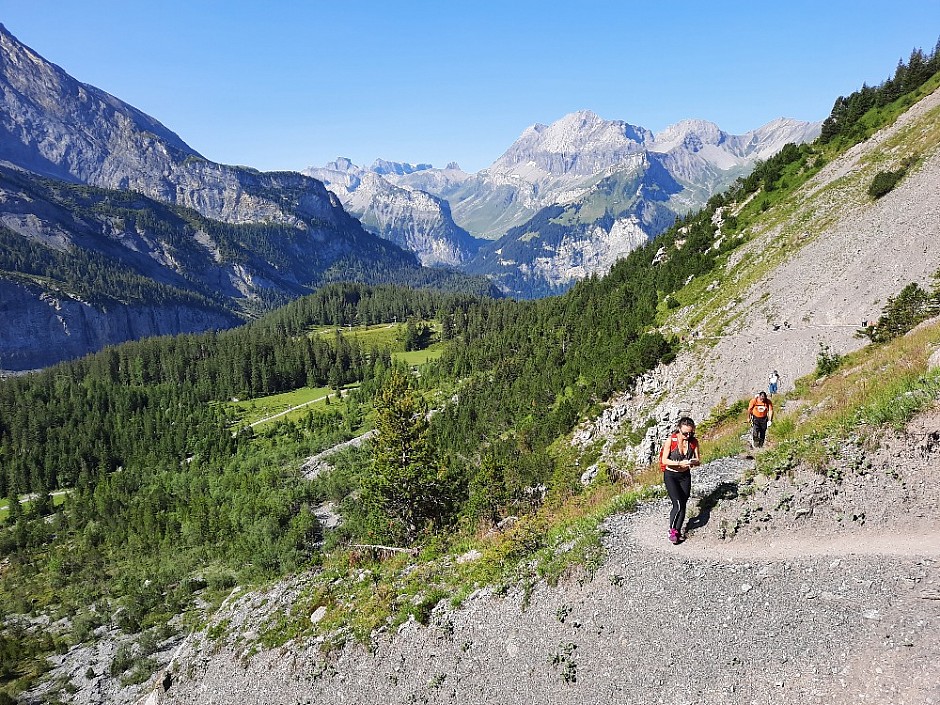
x=56 y=126
x=41 y=328
x=412 y=219
x=564 y=243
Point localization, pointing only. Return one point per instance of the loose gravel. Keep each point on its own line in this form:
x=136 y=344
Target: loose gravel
x=656 y=623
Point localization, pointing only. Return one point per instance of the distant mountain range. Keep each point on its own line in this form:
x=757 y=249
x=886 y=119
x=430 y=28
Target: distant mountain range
x=114 y=228
x=413 y=219
x=563 y=202
x=90 y=181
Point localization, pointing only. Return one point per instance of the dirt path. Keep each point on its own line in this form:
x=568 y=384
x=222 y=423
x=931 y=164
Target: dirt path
x=650 y=532
x=704 y=623
x=783 y=535
x=288 y=410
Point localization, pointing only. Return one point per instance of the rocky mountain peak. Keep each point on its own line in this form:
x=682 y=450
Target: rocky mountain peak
x=689 y=134
x=52 y=121
x=579 y=143
x=343 y=164
x=381 y=166
x=406 y=215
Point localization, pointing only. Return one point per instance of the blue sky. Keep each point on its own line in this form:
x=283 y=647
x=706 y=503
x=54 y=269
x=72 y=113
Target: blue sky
x=286 y=85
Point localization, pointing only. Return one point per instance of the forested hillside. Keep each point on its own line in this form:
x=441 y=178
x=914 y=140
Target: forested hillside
x=115 y=229
x=163 y=504
x=103 y=253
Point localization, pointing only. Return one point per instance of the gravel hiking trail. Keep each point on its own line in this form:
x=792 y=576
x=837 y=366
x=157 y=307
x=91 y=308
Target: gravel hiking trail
x=778 y=542
x=799 y=605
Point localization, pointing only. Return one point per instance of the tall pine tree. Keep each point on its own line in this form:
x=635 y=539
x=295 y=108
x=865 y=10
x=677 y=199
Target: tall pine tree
x=407 y=492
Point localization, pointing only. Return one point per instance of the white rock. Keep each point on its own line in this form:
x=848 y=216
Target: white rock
x=469 y=556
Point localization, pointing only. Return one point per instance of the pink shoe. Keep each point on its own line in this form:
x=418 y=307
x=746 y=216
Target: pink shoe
x=673 y=536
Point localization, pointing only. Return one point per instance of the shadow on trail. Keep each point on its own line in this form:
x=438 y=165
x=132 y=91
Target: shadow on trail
x=725 y=490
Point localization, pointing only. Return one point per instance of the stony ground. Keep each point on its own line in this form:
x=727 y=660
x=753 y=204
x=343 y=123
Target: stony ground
x=858 y=252
x=797 y=604
x=798 y=589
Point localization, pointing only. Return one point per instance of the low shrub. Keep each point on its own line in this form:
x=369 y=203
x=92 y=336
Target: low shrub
x=884 y=182
x=827 y=361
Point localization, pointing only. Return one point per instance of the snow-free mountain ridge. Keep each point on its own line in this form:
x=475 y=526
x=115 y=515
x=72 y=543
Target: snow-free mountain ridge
x=564 y=164
x=228 y=240
x=414 y=220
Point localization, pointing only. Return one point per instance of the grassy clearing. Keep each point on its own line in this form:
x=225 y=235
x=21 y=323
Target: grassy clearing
x=297 y=402
x=58 y=499
x=420 y=357
x=382 y=335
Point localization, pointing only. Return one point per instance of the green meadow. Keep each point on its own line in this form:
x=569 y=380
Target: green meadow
x=58 y=499
x=291 y=405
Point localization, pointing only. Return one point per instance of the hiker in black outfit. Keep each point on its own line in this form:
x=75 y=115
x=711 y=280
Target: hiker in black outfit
x=678 y=456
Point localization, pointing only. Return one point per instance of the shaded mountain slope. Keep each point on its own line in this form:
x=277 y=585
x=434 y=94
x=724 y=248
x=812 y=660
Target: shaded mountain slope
x=83 y=267
x=242 y=239
x=57 y=126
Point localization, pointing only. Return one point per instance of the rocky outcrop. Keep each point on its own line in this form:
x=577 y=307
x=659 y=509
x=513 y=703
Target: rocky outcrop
x=528 y=264
x=412 y=219
x=41 y=328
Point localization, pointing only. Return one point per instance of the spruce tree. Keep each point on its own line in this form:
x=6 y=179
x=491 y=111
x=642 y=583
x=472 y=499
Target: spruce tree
x=406 y=493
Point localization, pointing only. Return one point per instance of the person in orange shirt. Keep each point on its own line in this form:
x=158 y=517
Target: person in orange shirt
x=760 y=412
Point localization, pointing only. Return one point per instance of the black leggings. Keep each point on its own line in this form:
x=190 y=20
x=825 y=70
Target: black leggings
x=679 y=487
x=759 y=431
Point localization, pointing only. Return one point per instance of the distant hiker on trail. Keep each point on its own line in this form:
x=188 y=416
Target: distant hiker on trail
x=773 y=382
x=678 y=456
x=760 y=412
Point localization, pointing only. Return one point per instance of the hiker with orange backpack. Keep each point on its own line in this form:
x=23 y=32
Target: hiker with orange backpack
x=760 y=412
x=678 y=456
